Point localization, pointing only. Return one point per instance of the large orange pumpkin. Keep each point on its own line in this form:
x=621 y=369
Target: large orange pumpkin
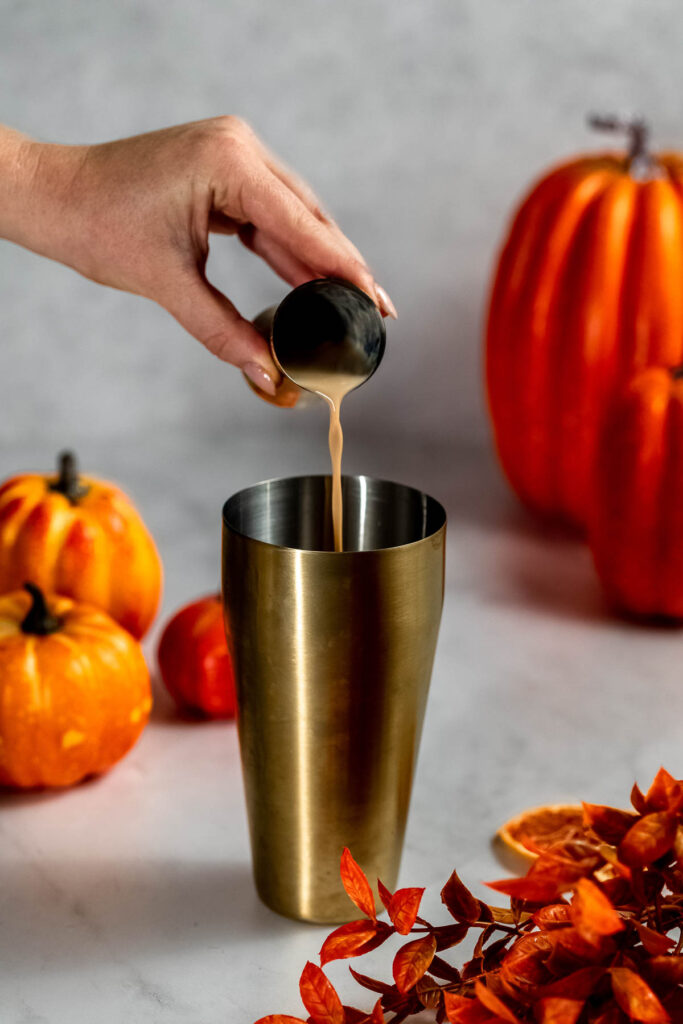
x=79 y=537
x=636 y=523
x=74 y=690
x=589 y=287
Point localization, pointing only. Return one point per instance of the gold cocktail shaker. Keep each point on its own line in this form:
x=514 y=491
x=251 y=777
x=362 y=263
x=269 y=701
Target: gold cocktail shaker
x=332 y=654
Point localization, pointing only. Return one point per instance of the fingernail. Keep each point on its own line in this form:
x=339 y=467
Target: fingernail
x=260 y=377
x=385 y=303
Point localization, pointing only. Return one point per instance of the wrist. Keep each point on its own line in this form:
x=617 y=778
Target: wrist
x=36 y=195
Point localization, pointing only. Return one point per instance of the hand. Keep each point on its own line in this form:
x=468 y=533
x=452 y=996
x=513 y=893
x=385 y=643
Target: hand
x=136 y=214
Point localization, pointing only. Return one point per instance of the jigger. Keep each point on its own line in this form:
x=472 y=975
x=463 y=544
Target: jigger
x=332 y=653
x=330 y=327
x=326 y=327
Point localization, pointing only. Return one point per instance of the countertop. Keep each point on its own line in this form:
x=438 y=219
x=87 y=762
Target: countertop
x=129 y=898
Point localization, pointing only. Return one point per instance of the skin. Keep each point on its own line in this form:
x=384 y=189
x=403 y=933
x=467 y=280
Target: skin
x=136 y=214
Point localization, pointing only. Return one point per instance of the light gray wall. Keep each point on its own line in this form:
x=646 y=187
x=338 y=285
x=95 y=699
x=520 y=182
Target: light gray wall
x=420 y=123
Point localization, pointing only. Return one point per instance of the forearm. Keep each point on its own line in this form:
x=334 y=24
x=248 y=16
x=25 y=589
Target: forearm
x=37 y=192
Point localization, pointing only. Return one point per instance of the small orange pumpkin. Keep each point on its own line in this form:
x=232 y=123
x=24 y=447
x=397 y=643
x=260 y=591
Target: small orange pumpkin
x=587 y=290
x=82 y=538
x=194 y=661
x=636 y=529
x=74 y=690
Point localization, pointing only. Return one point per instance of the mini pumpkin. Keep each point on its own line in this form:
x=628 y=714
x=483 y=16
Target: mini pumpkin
x=587 y=290
x=194 y=661
x=74 y=690
x=636 y=529
x=82 y=538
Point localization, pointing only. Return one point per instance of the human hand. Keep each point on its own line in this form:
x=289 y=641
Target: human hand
x=136 y=214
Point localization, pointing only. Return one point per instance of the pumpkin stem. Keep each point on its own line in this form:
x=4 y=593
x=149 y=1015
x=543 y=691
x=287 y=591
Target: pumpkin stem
x=639 y=157
x=39 y=620
x=67 y=482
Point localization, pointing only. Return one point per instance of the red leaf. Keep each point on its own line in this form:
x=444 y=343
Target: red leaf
x=636 y=998
x=556 y=1010
x=638 y=800
x=450 y=935
x=357 y=886
x=384 y=894
x=280 y=1018
x=654 y=942
x=412 y=961
x=462 y=1010
x=319 y=996
x=371 y=983
x=592 y=913
x=665 y=793
x=459 y=900
x=347 y=940
x=608 y=823
x=666 y=970
x=648 y=839
x=403 y=909
x=491 y=1001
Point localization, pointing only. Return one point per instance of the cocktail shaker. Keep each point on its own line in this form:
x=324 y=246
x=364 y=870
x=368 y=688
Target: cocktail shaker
x=332 y=653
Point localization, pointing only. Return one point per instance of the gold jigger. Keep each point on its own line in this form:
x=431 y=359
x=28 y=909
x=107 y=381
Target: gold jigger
x=333 y=655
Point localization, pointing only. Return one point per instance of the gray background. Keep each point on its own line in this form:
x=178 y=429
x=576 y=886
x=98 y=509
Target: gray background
x=420 y=124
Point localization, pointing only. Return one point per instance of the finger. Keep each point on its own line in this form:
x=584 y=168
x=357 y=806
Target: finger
x=273 y=208
x=211 y=318
x=290 y=269
x=308 y=197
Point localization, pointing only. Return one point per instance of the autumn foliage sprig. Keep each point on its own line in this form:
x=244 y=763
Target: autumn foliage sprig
x=586 y=939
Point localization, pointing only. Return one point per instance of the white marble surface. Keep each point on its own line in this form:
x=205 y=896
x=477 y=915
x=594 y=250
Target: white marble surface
x=129 y=898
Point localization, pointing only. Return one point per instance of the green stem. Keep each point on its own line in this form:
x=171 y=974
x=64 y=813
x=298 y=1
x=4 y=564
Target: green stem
x=39 y=621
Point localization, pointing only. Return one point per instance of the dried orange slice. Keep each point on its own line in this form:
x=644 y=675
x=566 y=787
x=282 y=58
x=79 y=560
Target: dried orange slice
x=539 y=828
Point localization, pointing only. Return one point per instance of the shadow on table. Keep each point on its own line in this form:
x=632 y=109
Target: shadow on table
x=61 y=913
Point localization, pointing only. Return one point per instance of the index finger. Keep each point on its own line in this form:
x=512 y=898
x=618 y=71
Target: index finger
x=275 y=210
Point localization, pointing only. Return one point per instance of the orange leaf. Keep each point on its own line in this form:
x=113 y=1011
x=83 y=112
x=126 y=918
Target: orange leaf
x=384 y=894
x=459 y=900
x=678 y=846
x=554 y=1010
x=319 y=996
x=592 y=913
x=377 y=1016
x=636 y=998
x=491 y=1001
x=648 y=839
x=462 y=1010
x=403 y=909
x=578 y=985
x=665 y=793
x=412 y=961
x=357 y=886
x=280 y=1018
x=608 y=823
x=552 y=916
x=347 y=940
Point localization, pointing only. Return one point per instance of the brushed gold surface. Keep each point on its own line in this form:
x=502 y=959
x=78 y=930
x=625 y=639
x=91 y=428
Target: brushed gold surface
x=333 y=655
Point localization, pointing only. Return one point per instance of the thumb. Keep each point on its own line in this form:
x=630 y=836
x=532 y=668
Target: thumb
x=211 y=318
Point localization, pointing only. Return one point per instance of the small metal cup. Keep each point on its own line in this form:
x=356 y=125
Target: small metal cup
x=333 y=655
